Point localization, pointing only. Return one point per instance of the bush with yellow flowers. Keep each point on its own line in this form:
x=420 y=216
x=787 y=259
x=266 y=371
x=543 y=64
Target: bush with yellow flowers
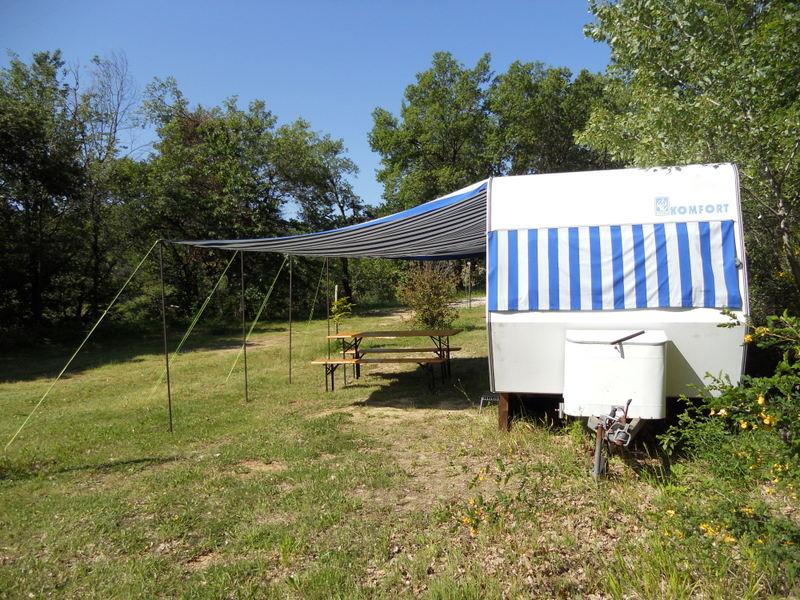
x=758 y=420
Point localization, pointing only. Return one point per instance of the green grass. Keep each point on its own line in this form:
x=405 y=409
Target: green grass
x=362 y=492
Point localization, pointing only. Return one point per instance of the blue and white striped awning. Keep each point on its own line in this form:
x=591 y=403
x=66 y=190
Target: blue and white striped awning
x=614 y=267
x=453 y=226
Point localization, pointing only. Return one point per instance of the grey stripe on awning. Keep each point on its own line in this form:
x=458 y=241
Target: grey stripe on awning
x=453 y=230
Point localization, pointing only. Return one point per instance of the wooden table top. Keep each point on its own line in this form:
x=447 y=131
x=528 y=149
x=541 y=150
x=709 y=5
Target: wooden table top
x=346 y=335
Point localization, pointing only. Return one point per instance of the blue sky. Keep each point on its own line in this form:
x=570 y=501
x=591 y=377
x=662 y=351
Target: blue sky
x=330 y=62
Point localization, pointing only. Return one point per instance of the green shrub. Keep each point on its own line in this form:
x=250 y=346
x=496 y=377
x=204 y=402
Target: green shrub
x=341 y=309
x=752 y=428
x=428 y=291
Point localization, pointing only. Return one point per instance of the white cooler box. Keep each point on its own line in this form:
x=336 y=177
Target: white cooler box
x=599 y=375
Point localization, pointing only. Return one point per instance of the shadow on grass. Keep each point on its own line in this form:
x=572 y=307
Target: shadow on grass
x=648 y=461
x=47 y=360
x=34 y=470
x=411 y=389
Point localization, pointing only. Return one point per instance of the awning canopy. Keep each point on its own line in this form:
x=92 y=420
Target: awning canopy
x=453 y=226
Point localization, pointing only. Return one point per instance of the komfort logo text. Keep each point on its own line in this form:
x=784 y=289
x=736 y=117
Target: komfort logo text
x=664 y=209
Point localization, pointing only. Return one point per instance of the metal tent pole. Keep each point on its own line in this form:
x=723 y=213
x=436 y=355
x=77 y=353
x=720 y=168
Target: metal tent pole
x=164 y=328
x=469 y=284
x=328 y=303
x=244 y=331
x=290 y=319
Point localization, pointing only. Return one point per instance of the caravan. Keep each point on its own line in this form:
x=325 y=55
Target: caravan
x=609 y=287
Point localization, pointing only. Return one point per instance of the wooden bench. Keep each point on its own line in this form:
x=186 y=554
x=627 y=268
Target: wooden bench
x=420 y=360
x=331 y=364
x=363 y=351
x=353 y=354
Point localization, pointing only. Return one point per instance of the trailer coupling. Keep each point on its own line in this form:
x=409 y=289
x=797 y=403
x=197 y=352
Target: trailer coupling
x=616 y=429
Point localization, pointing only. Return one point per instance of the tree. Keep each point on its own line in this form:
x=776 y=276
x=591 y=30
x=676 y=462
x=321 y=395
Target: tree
x=712 y=81
x=537 y=111
x=323 y=189
x=214 y=174
x=104 y=113
x=227 y=172
x=40 y=182
x=439 y=142
x=459 y=125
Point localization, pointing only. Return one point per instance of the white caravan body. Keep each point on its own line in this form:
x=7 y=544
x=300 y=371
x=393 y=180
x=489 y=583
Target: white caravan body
x=659 y=250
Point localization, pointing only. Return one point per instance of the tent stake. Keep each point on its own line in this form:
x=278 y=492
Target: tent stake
x=244 y=331
x=290 y=319
x=164 y=328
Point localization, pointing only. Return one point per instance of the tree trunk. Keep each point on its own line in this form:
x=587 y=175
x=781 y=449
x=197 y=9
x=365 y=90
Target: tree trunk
x=346 y=289
x=96 y=256
x=786 y=238
x=35 y=268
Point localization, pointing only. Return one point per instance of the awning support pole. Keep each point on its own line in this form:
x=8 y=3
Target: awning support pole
x=290 y=319
x=244 y=330
x=328 y=303
x=164 y=328
x=469 y=284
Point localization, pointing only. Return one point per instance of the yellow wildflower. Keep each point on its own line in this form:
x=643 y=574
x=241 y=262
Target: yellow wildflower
x=743 y=424
x=761 y=330
x=670 y=513
x=729 y=539
x=707 y=529
x=748 y=338
x=761 y=400
x=722 y=412
x=713 y=412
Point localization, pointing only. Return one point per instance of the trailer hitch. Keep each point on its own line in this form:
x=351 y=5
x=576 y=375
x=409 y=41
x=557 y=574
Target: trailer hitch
x=613 y=428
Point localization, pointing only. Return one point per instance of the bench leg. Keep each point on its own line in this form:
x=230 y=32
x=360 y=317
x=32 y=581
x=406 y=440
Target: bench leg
x=330 y=372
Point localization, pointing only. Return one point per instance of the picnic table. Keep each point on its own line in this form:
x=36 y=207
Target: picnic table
x=354 y=354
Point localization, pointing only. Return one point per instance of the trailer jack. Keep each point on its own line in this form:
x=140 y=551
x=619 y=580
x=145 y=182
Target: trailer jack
x=613 y=429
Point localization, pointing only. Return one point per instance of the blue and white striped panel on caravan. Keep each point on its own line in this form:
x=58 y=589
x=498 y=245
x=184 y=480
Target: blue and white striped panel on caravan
x=614 y=267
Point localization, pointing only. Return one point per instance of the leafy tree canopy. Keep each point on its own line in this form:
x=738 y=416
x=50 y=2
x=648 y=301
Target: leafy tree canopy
x=711 y=81
x=458 y=125
x=439 y=143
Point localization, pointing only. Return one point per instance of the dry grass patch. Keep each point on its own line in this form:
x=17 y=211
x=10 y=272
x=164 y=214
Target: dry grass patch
x=202 y=561
x=252 y=468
